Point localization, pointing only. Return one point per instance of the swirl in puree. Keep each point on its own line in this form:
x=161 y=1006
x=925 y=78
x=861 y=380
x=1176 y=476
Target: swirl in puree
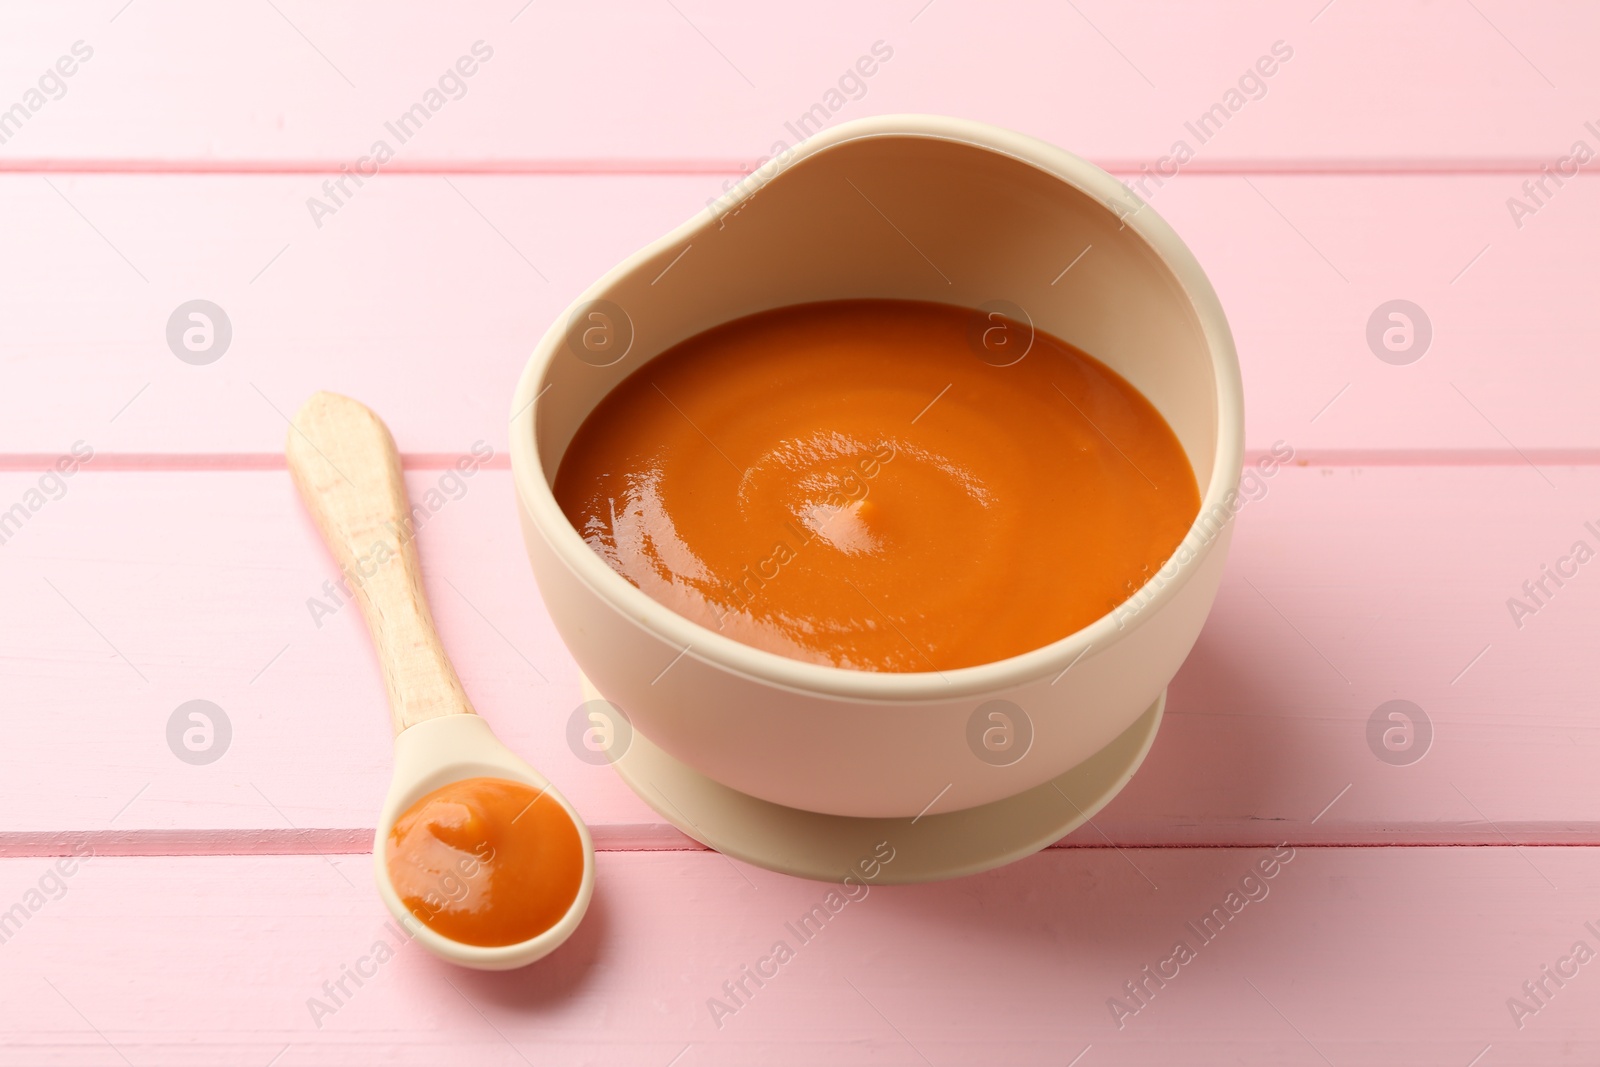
x=848 y=483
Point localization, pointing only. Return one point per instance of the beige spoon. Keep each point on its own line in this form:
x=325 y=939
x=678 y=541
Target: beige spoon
x=345 y=465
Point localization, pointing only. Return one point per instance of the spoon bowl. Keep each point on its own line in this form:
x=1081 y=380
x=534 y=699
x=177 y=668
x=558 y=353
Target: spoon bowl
x=344 y=462
x=433 y=754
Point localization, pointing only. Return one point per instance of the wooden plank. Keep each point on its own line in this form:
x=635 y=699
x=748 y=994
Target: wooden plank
x=339 y=307
x=705 y=84
x=213 y=961
x=1347 y=588
x=181 y=611
x=449 y=280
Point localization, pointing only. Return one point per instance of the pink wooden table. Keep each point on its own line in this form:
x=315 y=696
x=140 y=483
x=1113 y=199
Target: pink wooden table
x=1432 y=909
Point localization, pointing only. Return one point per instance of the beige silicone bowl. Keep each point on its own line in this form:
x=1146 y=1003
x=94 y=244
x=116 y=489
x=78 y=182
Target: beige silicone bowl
x=911 y=207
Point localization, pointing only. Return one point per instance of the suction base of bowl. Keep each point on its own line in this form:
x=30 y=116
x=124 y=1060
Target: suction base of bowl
x=808 y=844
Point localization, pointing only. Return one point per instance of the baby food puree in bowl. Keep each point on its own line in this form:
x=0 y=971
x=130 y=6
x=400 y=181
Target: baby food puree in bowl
x=925 y=429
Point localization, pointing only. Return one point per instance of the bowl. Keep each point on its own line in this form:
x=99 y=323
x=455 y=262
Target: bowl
x=916 y=208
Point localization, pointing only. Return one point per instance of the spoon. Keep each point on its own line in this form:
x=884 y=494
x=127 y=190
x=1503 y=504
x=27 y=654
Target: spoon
x=344 y=463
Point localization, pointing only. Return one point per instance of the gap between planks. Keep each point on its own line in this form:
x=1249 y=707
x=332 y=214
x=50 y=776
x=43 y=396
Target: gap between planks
x=1374 y=167
x=108 y=462
x=647 y=837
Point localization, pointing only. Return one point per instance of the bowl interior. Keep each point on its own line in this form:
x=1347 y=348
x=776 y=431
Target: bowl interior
x=917 y=217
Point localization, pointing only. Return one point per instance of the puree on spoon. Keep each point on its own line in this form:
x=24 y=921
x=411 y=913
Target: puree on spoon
x=486 y=861
x=848 y=483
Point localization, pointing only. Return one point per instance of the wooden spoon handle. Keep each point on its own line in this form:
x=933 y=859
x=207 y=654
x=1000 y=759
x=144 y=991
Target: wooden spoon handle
x=345 y=465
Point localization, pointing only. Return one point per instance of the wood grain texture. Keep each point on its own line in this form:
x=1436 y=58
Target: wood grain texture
x=347 y=469
x=1345 y=589
x=1354 y=957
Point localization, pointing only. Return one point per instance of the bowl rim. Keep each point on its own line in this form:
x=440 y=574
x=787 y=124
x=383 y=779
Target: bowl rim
x=771 y=668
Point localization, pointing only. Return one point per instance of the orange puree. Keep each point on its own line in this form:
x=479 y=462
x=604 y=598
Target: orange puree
x=486 y=861
x=849 y=483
